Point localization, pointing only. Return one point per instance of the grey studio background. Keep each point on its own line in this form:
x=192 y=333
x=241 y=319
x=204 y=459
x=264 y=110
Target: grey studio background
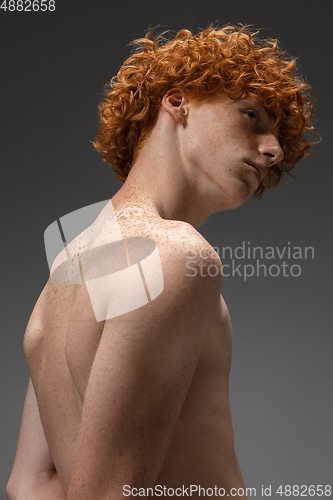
x=53 y=68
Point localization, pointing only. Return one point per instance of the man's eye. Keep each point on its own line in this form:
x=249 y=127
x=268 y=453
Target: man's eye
x=251 y=114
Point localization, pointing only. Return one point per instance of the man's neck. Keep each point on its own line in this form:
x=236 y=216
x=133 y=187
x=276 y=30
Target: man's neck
x=161 y=186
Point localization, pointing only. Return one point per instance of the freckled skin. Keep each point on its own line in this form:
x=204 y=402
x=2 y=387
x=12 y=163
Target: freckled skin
x=150 y=391
x=65 y=347
x=222 y=137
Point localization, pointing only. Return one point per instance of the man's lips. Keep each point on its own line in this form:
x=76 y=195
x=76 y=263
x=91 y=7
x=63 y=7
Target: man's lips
x=261 y=170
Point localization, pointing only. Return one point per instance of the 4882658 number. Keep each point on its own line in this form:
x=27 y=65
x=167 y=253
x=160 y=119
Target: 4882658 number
x=28 y=5
x=304 y=491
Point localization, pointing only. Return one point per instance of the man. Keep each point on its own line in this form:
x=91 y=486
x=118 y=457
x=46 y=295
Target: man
x=139 y=399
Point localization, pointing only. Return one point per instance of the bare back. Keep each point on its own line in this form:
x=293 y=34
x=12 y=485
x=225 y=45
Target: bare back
x=61 y=342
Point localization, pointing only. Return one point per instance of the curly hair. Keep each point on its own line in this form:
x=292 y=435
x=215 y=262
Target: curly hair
x=229 y=59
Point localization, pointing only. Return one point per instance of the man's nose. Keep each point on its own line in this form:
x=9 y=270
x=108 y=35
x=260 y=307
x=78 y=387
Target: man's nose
x=270 y=147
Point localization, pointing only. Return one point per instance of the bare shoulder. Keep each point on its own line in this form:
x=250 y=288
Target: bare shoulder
x=178 y=242
x=129 y=258
x=173 y=236
x=184 y=293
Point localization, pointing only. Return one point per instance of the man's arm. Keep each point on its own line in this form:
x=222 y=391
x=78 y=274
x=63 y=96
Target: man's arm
x=33 y=476
x=139 y=381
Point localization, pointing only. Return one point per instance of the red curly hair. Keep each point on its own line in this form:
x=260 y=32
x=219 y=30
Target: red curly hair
x=230 y=59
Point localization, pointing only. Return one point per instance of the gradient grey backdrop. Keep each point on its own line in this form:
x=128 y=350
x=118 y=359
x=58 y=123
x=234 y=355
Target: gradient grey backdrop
x=53 y=68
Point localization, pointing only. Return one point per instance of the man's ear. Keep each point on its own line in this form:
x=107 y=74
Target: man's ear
x=175 y=103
